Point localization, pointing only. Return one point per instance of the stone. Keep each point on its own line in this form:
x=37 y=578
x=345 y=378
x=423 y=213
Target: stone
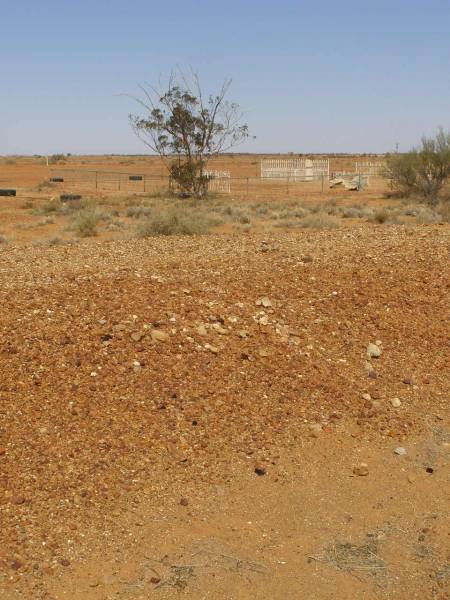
x=137 y=336
x=260 y=471
x=367 y=397
x=264 y=302
x=396 y=402
x=373 y=351
x=159 y=336
x=315 y=429
x=362 y=470
x=65 y=562
x=184 y=501
x=400 y=451
x=155 y=580
x=201 y=330
x=307 y=258
x=212 y=349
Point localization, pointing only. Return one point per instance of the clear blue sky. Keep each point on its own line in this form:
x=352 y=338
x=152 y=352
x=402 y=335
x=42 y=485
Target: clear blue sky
x=311 y=76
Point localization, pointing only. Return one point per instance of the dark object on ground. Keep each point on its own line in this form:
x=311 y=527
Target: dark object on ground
x=260 y=471
x=70 y=197
x=7 y=192
x=57 y=179
x=135 y=177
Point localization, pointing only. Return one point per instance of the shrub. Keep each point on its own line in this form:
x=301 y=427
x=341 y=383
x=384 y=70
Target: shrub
x=49 y=207
x=56 y=158
x=444 y=211
x=319 y=221
x=423 y=170
x=27 y=204
x=381 y=215
x=425 y=216
x=85 y=223
x=176 y=221
x=138 y=212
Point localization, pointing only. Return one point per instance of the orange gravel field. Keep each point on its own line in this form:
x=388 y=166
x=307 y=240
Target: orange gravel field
x=258 y=414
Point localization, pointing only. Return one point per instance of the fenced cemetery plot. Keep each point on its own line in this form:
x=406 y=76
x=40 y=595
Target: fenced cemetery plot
x=278 y=179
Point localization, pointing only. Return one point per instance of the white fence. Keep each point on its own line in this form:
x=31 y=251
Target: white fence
x=219 y=181
x=295 y=169
x=374 y=168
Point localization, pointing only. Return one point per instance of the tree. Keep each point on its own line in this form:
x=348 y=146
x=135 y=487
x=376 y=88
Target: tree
x=423 y=170
x=187 y=130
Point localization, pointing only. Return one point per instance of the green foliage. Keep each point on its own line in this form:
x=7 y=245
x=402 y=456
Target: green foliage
x=423 y=171
x=187 y=129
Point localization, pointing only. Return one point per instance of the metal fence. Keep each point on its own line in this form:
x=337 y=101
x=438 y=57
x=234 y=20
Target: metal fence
x=258 y=188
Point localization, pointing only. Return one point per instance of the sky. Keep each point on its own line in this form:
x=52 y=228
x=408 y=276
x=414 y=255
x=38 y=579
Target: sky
x=323 y=76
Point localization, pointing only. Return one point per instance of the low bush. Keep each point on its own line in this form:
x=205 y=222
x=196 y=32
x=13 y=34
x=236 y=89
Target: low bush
x=85 y=223
x=319 y=221
x=175 y=221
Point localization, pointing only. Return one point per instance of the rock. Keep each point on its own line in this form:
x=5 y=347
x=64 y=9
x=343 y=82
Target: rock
x=155 y=580
x=367 y=397
x=184 y=501
x=361 y=470
x=137 y=336
x=243 y=333
x=315 y=429
x=18 y=500
x=201 y=330
x=265 y=302
x=396 y=402
x=212 y=349
x=260 y=471
x=65 y=562
x=159 y=336
x=373 y=351
x=307 y=259
x=400 y=451
x=2 y=451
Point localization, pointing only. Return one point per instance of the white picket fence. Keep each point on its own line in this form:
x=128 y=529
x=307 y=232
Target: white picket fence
x=219 y=181
x=374 y=168
x=295 y=169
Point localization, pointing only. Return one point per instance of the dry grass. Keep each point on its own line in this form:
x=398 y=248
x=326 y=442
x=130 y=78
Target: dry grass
x=319 y=221
x=363 y=560
x=85 y=223
x=176 y=221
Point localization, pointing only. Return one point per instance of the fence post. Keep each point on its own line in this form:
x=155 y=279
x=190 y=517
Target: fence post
x=323 y=177
x=247 y=187
x=287 y=185
x=119 y=182
x=145 y=181
x=96 y=180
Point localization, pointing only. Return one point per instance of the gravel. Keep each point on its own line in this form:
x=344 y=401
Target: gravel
x=75 y=448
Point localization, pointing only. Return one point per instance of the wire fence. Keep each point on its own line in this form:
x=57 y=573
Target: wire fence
x=239 y=187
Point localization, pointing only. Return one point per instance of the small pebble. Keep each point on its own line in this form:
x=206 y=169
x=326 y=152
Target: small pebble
x=361 y=470
x=396 y=402
x=184 y=501
x=400 y=451
x=260 y=471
